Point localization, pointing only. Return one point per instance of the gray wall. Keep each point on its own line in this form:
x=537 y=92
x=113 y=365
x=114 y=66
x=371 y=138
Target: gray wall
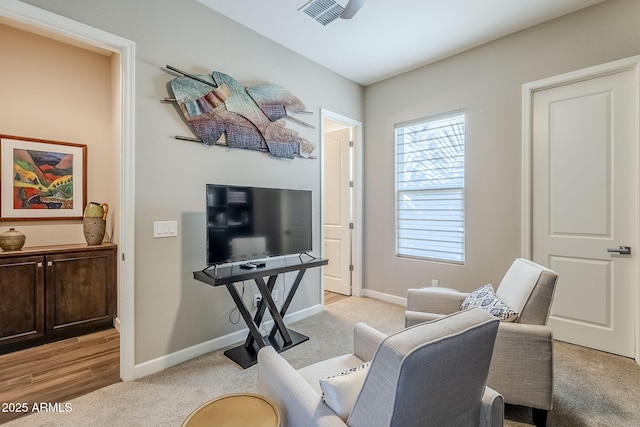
x=487 y=83
x=172 y=311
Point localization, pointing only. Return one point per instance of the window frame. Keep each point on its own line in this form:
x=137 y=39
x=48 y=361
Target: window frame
x=398 y=191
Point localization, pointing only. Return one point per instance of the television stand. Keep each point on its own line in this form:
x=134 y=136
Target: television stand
x=280 y=337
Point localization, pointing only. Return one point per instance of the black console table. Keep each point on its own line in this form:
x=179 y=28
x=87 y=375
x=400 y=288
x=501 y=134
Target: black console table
x=280 y=337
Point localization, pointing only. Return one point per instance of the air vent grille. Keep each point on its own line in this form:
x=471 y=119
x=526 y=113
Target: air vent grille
x=323 y=11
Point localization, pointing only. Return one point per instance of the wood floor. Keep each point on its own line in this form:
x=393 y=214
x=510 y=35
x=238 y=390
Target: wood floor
x=53 y=374
x=330 y=297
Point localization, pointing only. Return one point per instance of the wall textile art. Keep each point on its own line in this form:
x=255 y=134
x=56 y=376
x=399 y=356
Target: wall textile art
x=41 y=179
x=221 y=110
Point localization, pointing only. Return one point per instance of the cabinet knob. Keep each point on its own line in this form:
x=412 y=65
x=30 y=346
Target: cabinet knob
x=50 y=264
x=39 y=265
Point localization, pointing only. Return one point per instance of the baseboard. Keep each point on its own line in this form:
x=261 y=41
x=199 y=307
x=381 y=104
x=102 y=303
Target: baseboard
x=384 y=297
x=156 y=365
x=116 y=324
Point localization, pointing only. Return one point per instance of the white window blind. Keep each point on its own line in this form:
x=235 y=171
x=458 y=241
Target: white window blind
x=430 y=166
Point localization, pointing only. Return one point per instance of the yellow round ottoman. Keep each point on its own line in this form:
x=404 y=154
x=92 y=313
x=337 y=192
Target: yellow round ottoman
x=232 y=410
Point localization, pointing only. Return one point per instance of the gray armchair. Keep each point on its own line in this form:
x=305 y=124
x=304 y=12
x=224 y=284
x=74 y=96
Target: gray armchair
x=433 y=374
x=522 y=363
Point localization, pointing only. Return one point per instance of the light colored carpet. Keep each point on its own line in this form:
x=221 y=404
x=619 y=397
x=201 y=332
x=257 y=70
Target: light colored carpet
x=591 y=389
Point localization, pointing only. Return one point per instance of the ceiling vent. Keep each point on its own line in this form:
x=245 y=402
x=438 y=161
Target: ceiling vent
x=323 y=11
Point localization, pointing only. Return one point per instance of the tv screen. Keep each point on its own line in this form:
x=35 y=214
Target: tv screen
x=245 y=223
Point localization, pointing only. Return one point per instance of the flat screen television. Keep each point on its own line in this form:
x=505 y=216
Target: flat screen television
x=248 y=223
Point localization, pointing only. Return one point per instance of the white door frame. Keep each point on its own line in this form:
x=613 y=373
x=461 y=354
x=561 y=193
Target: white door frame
x=356 y=254
x=528 y=91
x=55 y=26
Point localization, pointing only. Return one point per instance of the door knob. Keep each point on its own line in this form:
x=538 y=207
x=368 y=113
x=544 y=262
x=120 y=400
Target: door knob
x=622 y=250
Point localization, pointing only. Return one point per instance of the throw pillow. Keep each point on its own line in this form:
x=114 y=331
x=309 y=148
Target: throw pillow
x=485 y=299
x=340 y=391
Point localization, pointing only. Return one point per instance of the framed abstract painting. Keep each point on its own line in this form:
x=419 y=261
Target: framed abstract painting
x=42 y=179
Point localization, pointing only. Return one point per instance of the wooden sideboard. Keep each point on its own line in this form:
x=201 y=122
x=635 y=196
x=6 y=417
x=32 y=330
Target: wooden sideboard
x=49 y=293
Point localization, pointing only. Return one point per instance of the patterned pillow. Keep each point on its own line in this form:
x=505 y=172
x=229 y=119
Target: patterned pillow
x=340 y=391
x=485 y=299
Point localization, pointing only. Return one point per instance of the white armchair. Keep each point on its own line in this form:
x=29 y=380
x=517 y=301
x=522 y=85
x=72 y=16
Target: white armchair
x=522 y=364
x=433 y=374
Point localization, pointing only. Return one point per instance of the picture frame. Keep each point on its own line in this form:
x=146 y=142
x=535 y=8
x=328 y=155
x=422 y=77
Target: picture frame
x=42 y=179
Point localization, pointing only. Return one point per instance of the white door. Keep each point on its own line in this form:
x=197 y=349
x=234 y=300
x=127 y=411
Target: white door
x=337 y=214
x=584 y=203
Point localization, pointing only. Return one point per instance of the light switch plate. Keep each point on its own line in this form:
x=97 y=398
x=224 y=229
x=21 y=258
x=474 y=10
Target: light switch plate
x=165 y=229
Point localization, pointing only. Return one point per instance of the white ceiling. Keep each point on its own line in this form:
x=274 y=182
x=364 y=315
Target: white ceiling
x=389 y=37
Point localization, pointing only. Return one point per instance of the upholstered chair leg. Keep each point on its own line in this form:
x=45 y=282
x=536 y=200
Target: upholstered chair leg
x=539 y=417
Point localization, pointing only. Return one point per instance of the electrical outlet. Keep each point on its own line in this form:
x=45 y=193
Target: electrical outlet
x=434 y=282
x=256 y=299
x=274 y=295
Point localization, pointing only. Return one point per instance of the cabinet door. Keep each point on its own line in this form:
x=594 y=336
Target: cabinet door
x=21 y=299
x=81 y=291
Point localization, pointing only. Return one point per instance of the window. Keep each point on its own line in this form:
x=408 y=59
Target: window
x=430 y=165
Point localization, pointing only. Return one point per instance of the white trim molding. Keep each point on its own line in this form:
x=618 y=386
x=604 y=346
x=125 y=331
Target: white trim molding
x=180 y=356
x=384 y=297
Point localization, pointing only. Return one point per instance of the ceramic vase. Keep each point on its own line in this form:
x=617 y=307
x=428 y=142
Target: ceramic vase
x=12 y=240
x=94 y=222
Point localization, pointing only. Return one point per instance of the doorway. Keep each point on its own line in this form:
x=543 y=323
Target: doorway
x=341 y=139
x=42 y=22
x=581 y=173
